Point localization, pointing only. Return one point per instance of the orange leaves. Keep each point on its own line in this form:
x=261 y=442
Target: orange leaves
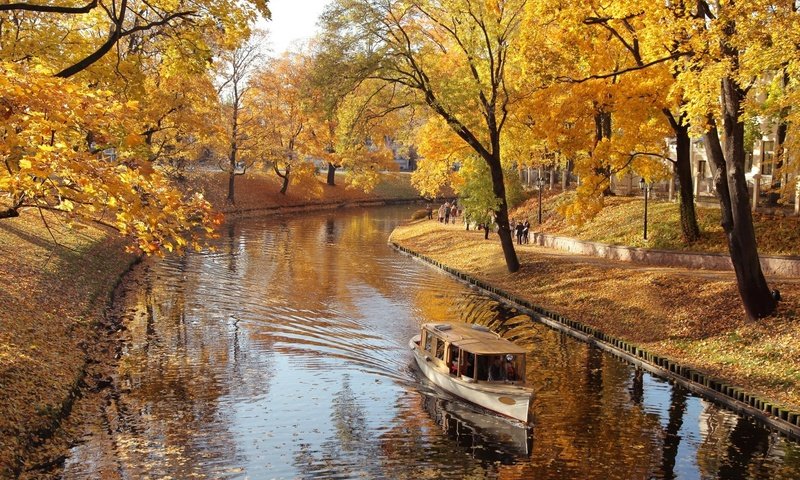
x=75 y=151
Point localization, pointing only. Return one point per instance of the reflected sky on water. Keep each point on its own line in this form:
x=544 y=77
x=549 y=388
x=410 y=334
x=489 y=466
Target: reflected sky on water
x=283 y=354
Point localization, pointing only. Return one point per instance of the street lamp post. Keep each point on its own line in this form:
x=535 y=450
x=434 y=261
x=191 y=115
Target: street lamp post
x=540 y=184
x=646 y=190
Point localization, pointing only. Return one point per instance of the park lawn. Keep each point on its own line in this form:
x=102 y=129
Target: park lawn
x=693 y=317
x=620 y=222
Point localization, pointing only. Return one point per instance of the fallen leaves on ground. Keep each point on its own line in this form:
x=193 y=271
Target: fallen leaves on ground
x=51 y=296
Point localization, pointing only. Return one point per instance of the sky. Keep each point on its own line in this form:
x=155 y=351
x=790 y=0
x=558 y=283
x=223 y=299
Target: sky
x=292 y=20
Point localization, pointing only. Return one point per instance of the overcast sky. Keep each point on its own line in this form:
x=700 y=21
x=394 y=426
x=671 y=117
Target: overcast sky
x=292 y=20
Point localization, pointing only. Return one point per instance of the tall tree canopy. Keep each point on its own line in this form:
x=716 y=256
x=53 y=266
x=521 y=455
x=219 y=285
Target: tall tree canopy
x=454 y=56
x=100 y=103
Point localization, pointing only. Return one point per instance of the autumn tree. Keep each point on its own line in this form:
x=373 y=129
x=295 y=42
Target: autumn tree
x=81 y=136
x=88 y=165
x=236 y=68
x=726 y=52
x=280 y=117
x=623 y=23
x=351 y=118
x=454 y=55
x=716 y=53
x=590 y=110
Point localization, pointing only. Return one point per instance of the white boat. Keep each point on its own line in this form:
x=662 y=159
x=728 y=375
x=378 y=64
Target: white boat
x=475 y=364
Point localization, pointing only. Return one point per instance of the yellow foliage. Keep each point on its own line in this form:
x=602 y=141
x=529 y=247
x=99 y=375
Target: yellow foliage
x=59 y=170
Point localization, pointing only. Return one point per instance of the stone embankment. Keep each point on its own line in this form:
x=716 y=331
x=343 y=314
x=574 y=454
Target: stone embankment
x=771 y=265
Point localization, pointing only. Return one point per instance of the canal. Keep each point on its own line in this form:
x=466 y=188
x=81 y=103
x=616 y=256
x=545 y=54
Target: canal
x=283 y=353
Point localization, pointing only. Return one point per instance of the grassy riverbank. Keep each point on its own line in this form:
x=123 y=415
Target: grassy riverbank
x=56 y=285
x=693 y=317
x=260 y=191
x=51 y=298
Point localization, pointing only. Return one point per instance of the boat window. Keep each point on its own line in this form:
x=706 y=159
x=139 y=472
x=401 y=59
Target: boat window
x=468 y=364
x=439 y=349
x=482 y=365
x=428 y=338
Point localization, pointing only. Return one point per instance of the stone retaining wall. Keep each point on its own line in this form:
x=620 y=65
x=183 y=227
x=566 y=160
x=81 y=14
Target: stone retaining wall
x=770 y=265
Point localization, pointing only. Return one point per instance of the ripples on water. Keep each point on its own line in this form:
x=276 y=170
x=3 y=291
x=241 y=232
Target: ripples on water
x=283 y=354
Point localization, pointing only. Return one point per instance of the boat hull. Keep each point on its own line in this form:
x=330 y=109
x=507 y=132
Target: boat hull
x=506 y=399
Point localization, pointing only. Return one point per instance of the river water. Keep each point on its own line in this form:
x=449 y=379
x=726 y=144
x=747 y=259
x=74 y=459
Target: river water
x=283 y=354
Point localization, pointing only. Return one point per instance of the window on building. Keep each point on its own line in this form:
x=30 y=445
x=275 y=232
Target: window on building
x=701 y=169
x=767 y=157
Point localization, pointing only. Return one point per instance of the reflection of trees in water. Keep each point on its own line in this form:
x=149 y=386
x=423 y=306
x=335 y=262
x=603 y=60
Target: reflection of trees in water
x=204 y=329
x=735 y=447
x=413 y=447
x=352 y=451
x=672 y=439
x=585 y=425
x=173 y=376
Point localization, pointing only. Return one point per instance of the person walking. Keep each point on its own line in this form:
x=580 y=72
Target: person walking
x=526 y=228
x=446 y=212
x=519 y=229
x=429 y=211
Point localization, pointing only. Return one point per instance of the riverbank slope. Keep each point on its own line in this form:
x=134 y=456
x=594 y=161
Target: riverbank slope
x=57 y=284
x=693 y=317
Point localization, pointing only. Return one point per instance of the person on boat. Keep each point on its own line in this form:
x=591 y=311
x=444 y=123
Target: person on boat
x=496 y=370
x=454 y=367
x=511 y=372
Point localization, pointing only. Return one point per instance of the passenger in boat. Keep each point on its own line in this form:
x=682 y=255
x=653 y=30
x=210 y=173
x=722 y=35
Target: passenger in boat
x=511 y=372
x=496 y=370
x=454 y=367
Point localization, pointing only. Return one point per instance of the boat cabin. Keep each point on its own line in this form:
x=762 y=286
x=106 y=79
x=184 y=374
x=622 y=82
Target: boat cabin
x=473 y=352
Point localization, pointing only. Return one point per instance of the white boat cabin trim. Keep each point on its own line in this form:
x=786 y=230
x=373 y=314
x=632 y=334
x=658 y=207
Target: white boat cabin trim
x=473 y=353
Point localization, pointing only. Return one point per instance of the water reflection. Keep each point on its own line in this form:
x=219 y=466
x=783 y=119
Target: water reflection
x=283 y=354
x=481 y=434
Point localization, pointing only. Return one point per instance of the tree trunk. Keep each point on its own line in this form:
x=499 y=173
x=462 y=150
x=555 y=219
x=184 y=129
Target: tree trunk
x=737 y=221
x=780 y=150
x=602 y=123
x=503 y=226
x=232 y=173
x=565 y=173
x=285 y=177
x=683 y=170
x=229 y=198
x=332 y=174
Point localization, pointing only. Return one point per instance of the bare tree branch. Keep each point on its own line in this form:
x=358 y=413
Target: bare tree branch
x=32 y=7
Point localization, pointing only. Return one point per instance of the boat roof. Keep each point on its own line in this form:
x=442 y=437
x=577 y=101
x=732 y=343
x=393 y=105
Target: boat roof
x=473 y=338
